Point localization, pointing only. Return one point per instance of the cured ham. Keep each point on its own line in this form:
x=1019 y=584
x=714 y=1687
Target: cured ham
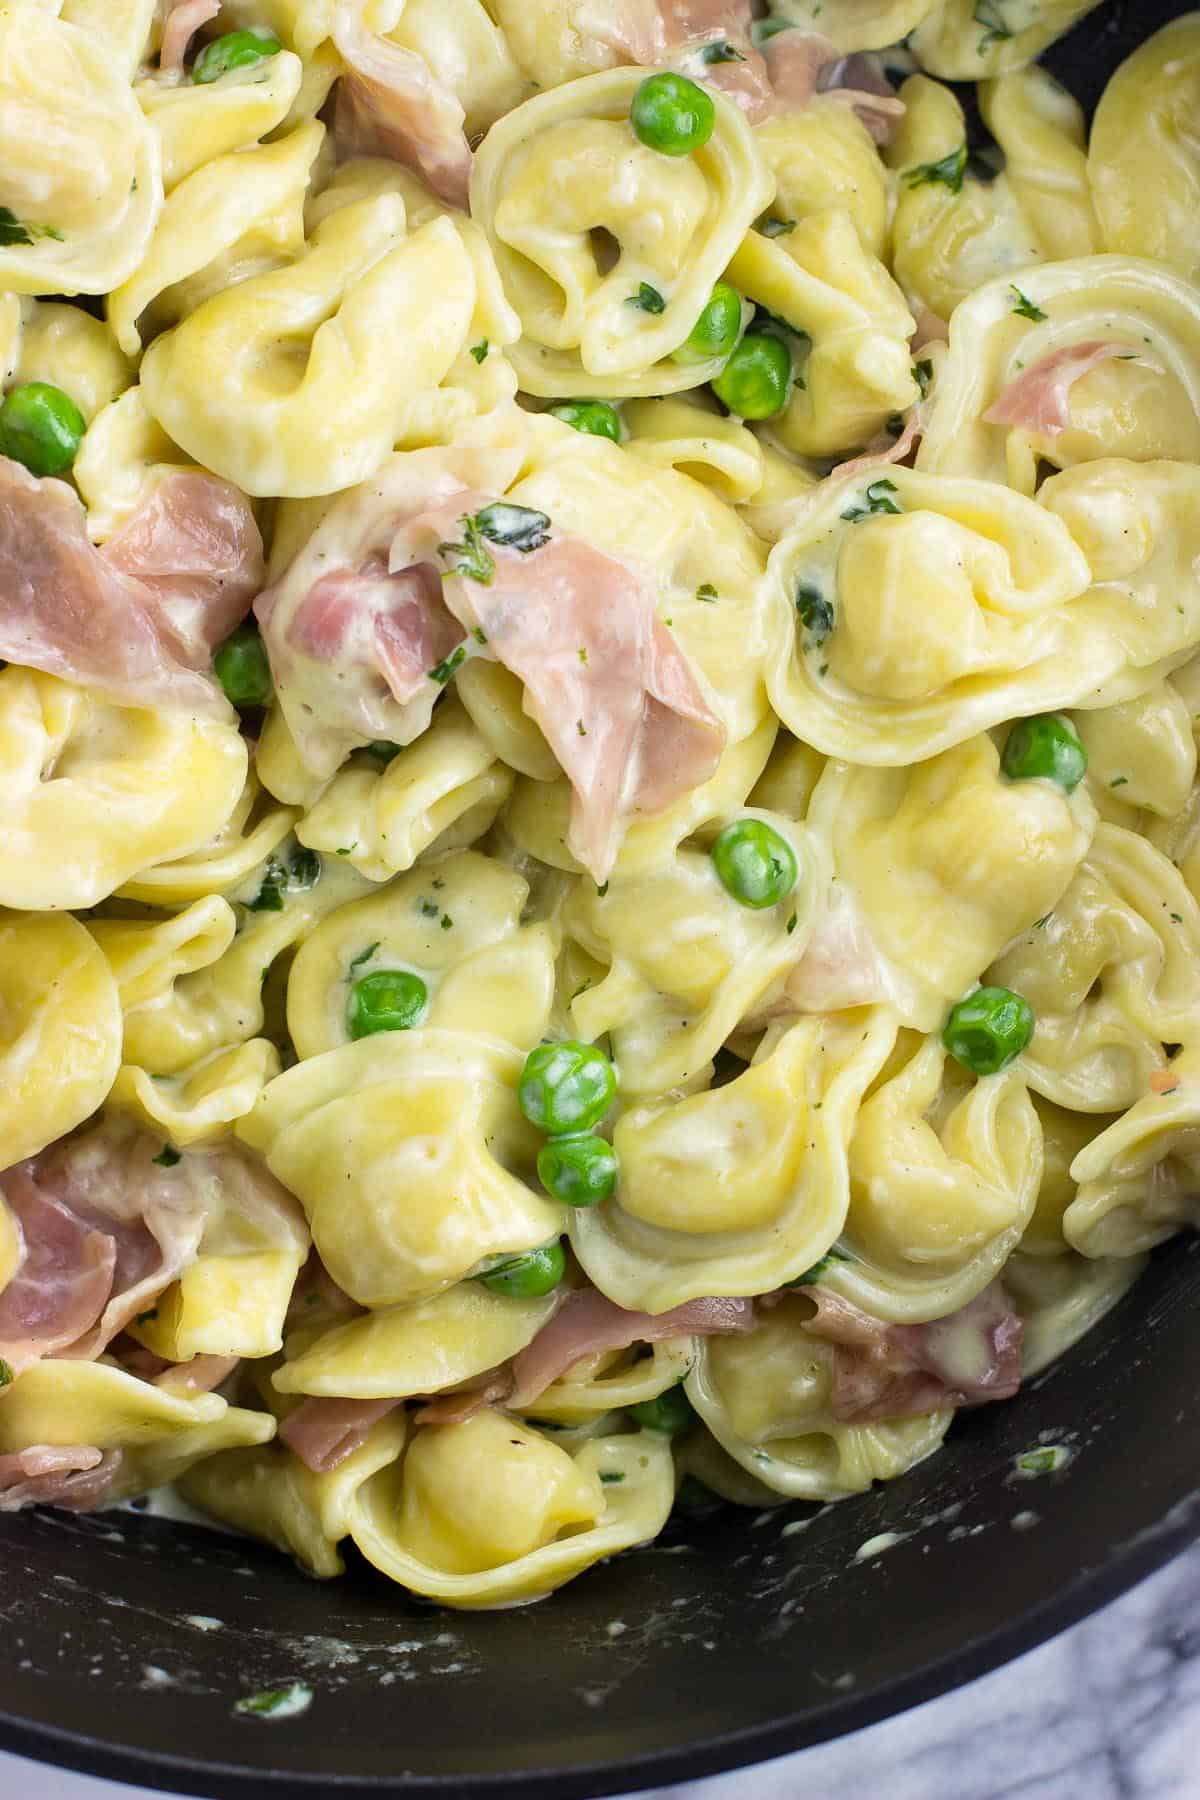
x=78 y=1477
x=183 y=19
x=391 y=104
x=63 y=1280
x=1039 y=400
x=323 y=1433
x=885 y=1371
x=74 y=611
x=588 y=1323
x=195 y=546
x=884 y=450
x=604 y=678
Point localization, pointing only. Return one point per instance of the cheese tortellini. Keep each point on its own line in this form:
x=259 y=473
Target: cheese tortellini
x=600 y=869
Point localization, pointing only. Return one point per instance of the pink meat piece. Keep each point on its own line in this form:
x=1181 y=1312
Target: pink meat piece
x=458 y=1405
x=1040 y=399
x=63 y=1281
x=588 y=1322
x=884 y=450
x=366 y=618
x=323 y=1433
x=839 y=968
x=885 y=1371
x=200 y=1375
x=67 y=609
x=195 y=546
x=861 y=84
x=391 y=104
x=182 y=20
x=604 y=678
x=931 y=329
x=78 y=1477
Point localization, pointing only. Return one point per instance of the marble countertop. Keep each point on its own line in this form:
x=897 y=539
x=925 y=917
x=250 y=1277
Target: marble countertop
x=1108 y=1711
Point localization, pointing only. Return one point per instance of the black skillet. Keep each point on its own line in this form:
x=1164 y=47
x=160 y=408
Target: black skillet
x=127 y=1641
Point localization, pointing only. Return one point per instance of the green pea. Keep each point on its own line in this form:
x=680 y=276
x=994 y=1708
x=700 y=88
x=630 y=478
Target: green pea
x=41 y=427
x=596 y=417
x=757 y=379
x=529 y=1276
x=670 y=1412
x=755 y=864
x=579 y=1171
x=716 y=330
x=236 y=50
x=988 y=1029
x=242 y=668
x=1046 y=748
x=566 y=1087
x=386 y=1000
x=672 y=114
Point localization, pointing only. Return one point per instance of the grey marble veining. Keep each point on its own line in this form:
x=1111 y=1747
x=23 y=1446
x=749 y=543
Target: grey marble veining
x=1108 y=1711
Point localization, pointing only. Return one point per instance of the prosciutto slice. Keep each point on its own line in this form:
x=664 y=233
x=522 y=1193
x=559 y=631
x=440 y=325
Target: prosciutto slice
x=391 y=104
x=1040 y=399
x=182 y=20
x=78 y=1477
x=588 y=1323
x=323 y=1433
x=195 y=546
x=604 y=678
x=885 y=450
x=889 y=1371
x=63 y=1280
x=86 y=616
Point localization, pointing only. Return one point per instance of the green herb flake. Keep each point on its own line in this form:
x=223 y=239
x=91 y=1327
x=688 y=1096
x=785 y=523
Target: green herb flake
x=276 y=1703
x=648 y=299
x=166 y=1158
x=364 y=956
x=1046 y=1460
x=602 y=890
x=17 y=231
x=878 y=500
x=6 y=1374
x=1027 y=308
x=582 y=655
x=1177 y=918
x=145 y=1318
x=923 y=374
x=773 y=228
x=947 y=173
x=707 y=592
x=815 y=612
x=446 y=922
x=819 y=1269
x=722 y=51
x=610 y=1477
x=471 y=558
x=791 y=925
x=581 y=728
x=428 y=909
x=995 y=28
x=449 y=666
x=480 y=350
x=516 y=527
x=1119 y=781
x=1040 y=924
x=382 y=751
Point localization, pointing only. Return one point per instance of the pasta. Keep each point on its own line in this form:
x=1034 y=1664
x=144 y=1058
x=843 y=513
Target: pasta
x=599 y=703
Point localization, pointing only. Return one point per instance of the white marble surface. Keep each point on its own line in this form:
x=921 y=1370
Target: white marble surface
x=1108 y=1711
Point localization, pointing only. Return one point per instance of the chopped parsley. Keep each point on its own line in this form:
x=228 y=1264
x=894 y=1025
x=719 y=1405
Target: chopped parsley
x=947 y=173
x=819 y=1269
x=602 y=890
x=791 y=925
x=1028 y=309
x=1038 y=924
x=706 y=591
x=6 y=1374
x=815 y=611
x=581 y=728
x=648 y=299
x=878 y=500
x=147 y=1318
x=611 y=1476
x=16 y=231
x=276 y=1703
x=480 y=350
x=447 y=923
x=428 y=909
x=365 y=955
x=923 y=375
x=300 y=872
x=472 y=559
x=1043 y=1461
x=773 y=228
x=1119 y=781
x=995 y=28
x=448 y=666
x=1177 y=918
x=722 y=51
x=167 y=1157
x=516 y=527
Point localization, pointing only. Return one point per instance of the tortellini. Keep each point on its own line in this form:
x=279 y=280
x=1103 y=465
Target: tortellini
x=82 y=170
x=65 y=346
x=406 y=1153
x=192 y=124
x=97 y=792
x=60 y=1031
x=765 y=1399
x=586 y=223
x=1144 y=163
x=1138 y=1181
x=965 y=40
x=491 y=1512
